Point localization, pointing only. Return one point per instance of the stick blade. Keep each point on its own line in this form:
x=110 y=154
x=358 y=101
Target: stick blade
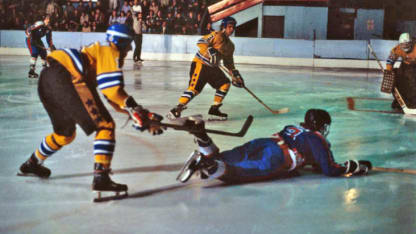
x=281 y=111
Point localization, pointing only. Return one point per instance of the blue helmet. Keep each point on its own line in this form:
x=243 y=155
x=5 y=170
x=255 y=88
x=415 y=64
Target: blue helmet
x=228 y=20
x=120 y=35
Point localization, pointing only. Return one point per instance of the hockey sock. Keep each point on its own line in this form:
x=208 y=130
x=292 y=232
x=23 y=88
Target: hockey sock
x=221 y=93
x=32 y=63
x=207 y=147
x=104 y=145
x=187 y=96
x=51 y=144
x=219 y=170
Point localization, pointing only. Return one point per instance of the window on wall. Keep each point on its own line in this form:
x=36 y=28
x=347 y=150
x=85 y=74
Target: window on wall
x=248 y=29
x=273 y=26
x=340 y=24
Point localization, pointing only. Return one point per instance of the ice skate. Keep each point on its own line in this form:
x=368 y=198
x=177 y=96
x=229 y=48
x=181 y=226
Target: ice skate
x=103 y=183
x=216 y=114
x=32 y=168
x=32 y=74
x=189 y=167
x=206 y=167
x=175 y=112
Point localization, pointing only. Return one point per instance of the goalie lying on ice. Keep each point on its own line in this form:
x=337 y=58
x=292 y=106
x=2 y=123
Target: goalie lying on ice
x=264 y=158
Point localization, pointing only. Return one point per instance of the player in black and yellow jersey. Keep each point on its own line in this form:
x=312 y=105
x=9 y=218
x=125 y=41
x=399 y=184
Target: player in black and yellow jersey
x=68 y=91
x=213 y=48
x=405 y=75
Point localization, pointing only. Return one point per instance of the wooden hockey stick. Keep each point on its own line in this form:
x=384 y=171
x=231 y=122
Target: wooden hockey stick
x=351 y=105
x=241 y=133
x=396 y=92
x=396 y=170
x=278 y=111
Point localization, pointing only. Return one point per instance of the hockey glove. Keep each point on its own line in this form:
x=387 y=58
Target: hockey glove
x=237 y=79
x=357 y=167
x=213 y=56
x=387 y=83
x=142 y=118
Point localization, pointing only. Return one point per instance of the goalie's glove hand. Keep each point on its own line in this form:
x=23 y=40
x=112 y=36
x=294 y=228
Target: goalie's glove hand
x=237 y=79
x=142 y=118
x=213 y=56
x=360 y=167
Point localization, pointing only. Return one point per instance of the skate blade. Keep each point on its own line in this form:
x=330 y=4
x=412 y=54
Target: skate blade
x=100 y=197
x=185 y=173
x=216 y=118
x=30 y=175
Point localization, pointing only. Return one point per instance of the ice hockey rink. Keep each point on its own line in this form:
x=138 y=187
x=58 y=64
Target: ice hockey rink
x=381 y=202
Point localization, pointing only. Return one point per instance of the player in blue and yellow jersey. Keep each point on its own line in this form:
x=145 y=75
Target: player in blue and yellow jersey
x=34 y=43
x=293 y=148
x=68 y=91
x=405 y=75
x=213 y=48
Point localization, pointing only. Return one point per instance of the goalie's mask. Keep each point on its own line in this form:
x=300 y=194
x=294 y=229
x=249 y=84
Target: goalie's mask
x=318 y=120
x=228 y=20
x=405 y=42
x=121 y=36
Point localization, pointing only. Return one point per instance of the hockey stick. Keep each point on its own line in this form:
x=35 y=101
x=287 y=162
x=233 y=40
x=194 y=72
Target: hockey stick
x=279 y=111
x=397 y=170
x=351 y=105
x=241 y=133
x=396 y=92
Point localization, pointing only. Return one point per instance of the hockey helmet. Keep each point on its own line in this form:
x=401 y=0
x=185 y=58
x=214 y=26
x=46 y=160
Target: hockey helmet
x=228 y=20
x=120 y=35
x=405 y=42
x=318 y=120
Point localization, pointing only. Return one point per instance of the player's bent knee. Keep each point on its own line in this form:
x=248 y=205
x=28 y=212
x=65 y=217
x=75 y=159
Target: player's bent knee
x=64 y=140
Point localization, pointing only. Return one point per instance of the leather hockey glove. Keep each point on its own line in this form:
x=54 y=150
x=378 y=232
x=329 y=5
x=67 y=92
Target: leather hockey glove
x=213 y=56
x=142 y=118
x=358 y=167
x=237 y=79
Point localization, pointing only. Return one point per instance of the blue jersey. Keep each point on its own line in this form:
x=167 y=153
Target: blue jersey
x=35 y=32
x=313 y=147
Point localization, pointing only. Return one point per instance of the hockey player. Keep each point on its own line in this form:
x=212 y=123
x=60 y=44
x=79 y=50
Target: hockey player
x=34 y=34
x=264 y=158
x=405 y=76
x=67 y=89
x=213 y=48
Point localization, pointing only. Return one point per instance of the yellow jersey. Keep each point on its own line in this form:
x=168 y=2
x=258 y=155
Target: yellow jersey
x=219 y=41
x=95 y=64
